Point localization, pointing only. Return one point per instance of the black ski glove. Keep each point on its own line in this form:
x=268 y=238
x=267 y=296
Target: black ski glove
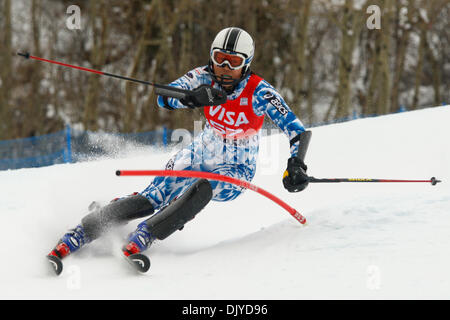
x=204 y=96
x=295 y=178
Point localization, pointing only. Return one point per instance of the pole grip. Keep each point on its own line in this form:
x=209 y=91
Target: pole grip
x=304 y=140
x=170 y=92
x=160 y=89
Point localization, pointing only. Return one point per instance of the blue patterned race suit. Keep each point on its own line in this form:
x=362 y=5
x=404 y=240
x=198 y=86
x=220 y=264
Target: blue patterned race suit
x=210 y=152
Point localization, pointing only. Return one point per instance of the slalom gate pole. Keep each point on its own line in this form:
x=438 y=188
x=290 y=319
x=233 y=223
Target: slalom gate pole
x=433 y=180
x=217 y=177
x=161 y=89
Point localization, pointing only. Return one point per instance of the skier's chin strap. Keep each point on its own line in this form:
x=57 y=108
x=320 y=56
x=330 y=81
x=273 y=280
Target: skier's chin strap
x=227 y=80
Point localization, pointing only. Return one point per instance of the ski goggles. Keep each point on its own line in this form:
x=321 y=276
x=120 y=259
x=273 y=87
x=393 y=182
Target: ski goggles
x=233 y=60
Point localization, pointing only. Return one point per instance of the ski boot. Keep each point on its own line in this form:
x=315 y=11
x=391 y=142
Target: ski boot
x=69 y=243
x=168 y=220
x=138 y=241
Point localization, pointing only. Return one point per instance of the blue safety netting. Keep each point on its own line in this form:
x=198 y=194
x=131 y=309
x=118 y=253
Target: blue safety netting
x=70 y=145
x=34 y=151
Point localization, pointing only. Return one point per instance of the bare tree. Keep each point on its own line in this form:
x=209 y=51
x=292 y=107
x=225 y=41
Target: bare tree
x=402 y=30
x=350 y=27
x=6 y=72
x=99 y=24
x=130 y=103
x=318 y=54
x=299 y=47
x=378 y=91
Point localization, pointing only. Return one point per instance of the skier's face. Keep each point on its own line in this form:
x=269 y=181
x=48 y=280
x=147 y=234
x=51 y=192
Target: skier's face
x=226 y=71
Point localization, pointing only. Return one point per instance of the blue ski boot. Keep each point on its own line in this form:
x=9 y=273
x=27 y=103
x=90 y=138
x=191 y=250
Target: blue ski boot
x=138 y=241
x=70 y=242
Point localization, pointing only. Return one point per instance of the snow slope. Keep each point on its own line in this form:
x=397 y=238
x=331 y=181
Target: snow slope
x=362 y=241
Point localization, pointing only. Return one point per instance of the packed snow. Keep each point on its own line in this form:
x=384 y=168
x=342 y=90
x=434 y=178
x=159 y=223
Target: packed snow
x=362 y=240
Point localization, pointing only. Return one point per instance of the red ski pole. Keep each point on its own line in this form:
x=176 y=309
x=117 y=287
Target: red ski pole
x=217 y=177
x=160 y=89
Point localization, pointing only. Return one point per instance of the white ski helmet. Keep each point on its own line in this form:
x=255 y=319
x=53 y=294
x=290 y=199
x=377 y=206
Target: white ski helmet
x=234 y=41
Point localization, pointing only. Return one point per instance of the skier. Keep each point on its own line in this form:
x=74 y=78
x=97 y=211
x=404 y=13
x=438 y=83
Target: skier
x=228 y=145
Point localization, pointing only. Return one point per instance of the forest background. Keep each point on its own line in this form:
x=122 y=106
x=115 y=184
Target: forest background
x=329 y=59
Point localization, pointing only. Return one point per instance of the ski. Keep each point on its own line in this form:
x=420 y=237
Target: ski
x=55 y=264
x=139 y=262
